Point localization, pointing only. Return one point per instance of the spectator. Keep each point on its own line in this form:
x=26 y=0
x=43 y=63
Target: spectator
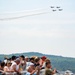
x=5 y=59
x=42 y=61
x=37 y=61
x=44 y=64
x=2 y=64
x=16 y=66
x=7 y=68
x=22 y=63
x=31 y=60
x=33 y=71
x=48 y=69
x=13 y=58
x=26 y=59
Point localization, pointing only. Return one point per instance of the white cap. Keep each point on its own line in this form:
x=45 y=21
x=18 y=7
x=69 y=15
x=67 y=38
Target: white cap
x=31 y=64
x=27 y=67
x=26 y=56
x=17 y=59
x=5 y=61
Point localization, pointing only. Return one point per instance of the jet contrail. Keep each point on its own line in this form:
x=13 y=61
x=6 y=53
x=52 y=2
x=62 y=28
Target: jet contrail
x=12 y=18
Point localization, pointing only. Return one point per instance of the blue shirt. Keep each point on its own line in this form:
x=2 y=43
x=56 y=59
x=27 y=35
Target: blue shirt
x=27 y=73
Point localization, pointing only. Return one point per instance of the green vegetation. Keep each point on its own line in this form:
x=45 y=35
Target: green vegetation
x=58 y=62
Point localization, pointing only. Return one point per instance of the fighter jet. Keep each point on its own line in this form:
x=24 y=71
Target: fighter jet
x=60 y=9
x=53 y=10
x=57 y=7
x=52 y=6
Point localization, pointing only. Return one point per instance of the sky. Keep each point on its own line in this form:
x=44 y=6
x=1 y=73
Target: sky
x=37 y=28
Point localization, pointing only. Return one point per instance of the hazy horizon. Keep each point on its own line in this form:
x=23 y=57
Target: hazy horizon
x=35 y=55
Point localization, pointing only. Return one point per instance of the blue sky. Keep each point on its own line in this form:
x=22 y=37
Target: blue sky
x=50 y=33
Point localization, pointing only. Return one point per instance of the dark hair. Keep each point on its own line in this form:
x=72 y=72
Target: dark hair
x=0 y=61
x=22 y=56
x=48 y=60
x=47 y=63
x=9 y=59
x=2 y=64
x=31 y=59
x=37 y=59
x=13 y=57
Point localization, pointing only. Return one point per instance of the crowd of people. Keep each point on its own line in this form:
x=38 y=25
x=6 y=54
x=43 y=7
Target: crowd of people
x=23 y=65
